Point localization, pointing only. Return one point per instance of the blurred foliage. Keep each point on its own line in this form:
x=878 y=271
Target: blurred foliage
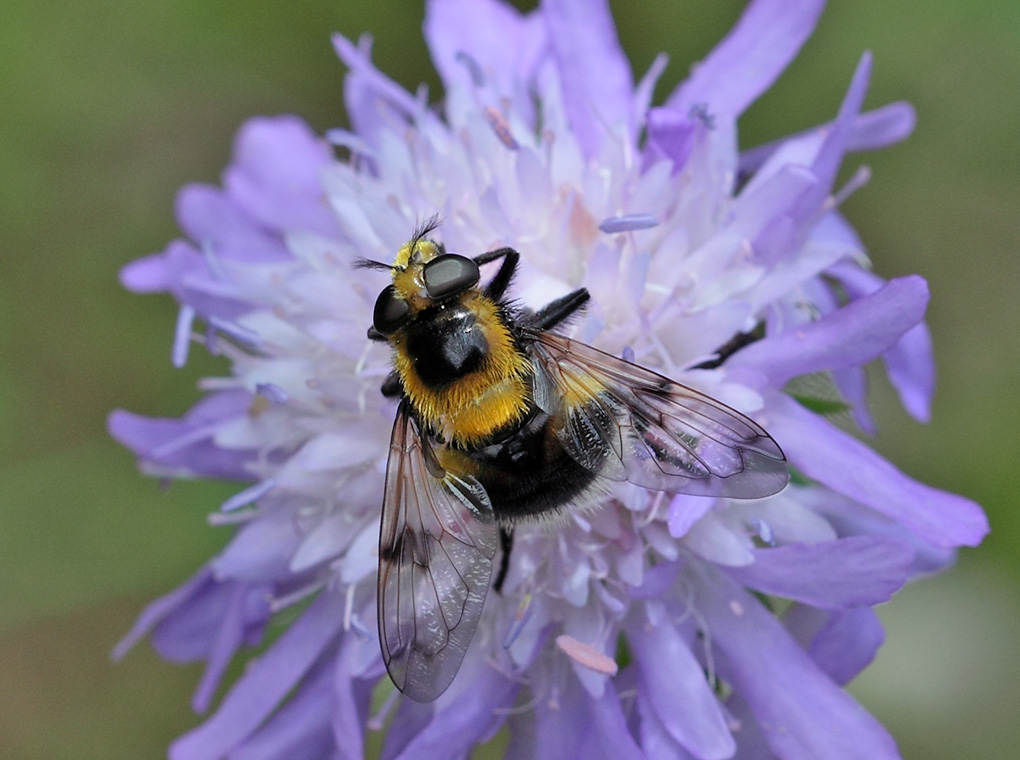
x=111 y=106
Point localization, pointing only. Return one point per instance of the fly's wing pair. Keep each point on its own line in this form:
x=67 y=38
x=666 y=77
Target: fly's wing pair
x=436 y=543
x=614 y=418
x=626 y=422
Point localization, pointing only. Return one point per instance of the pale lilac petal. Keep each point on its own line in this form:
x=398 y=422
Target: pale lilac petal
x=372 y=100
x=830 y=155
x=656 y=742
x=685 y=511
x=228 y=639
x=798 y=708
x=485 y=46
x=847 y=337
x=847 y=643
x=461 y=723
x=610 y=738
x=191 y=632
x=186 y=274
x=767 y=36
x=159 y=609
x=849 y=572
x=358 y=668
x=162 y=272
x=261 y=551
x=911 y=362
x=852 y=383
x=185 y=445
x=211 y=218
x=672 y=676
x=825 y=453
x=598 y=86
x=670 y=136
x=264 y=685
x=300 y=730
x=275 y=177
x=850 y=518
x=871 y=130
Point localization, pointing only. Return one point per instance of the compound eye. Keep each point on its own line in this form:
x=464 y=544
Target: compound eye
x=449 y=274
x=390 y=311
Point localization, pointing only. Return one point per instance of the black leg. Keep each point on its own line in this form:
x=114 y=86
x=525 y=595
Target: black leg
x=497 y=285
x=506 y=543
x=392 y=387
x=552 y=314
x=731 y=347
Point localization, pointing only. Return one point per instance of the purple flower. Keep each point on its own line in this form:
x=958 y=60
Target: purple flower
x=656 y=625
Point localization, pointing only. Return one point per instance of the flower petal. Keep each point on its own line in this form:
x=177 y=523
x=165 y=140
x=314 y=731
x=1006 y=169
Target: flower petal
x=844 y=643
x=484 y=48
x=767 y=36
x=825 y=453
x=461 y=723
x=871 y=130
x=598 y=86
x=300 y=730
x=799 y=710
x=847 y=337
x=848 y=572
x=671 y=676
x=265 y=684
x=275 y=175
x=910 y=363
x=159 y=609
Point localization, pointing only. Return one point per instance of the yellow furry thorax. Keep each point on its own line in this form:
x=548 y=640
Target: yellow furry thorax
x=469 y=411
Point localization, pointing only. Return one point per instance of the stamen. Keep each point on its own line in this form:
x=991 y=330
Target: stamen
x=378 y=721
x=861 y=177
x=763 y=531
x=248 y=495
x=342 y=138
x=182 y=335
x=700 y=112
x=231 y=518
x=273 y=392
x=183 y=441
x=212 y=344
x=348 y=607
x=469 y=63
x=501 y=127
x=280 y=602
x=587 y=655
x=628 y=223
x=521 y=617
x=242 y=334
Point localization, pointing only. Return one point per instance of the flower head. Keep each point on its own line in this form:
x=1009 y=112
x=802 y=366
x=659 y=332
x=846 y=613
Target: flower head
x=651 y=626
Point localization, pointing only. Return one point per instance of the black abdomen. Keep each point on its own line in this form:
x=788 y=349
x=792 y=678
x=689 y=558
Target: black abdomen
x=529 y=473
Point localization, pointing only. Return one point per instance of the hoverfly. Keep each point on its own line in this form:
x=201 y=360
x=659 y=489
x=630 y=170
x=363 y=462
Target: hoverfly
x=500 y=422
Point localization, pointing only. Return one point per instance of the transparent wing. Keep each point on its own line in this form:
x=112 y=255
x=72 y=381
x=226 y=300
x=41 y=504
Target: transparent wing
x=436 y=543
x=629 y=423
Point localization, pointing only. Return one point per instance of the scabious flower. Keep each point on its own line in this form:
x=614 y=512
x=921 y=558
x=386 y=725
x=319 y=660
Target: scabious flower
x=655 y=626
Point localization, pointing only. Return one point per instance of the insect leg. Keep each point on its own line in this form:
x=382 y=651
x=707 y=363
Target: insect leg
x=506 y=543
x=497 y=285
x=392 y=387
x=731 y=346
x=553 y=313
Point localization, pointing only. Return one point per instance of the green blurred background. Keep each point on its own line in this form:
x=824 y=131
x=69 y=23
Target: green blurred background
x=109 y=106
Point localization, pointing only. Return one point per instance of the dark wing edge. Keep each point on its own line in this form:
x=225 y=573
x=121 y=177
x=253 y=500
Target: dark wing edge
x=626 y=422
x=437 y=539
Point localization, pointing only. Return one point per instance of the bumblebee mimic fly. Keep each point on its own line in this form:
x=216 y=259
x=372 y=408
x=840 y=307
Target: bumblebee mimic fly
x=501 y=421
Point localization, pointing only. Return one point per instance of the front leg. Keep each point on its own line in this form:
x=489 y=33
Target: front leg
x=497 y=285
